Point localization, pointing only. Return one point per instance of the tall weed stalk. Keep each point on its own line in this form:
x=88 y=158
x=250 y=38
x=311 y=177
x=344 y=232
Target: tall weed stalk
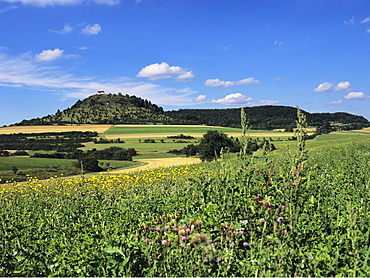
x=300 y=161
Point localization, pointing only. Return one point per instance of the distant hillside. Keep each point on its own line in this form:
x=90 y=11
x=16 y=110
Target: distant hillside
x=105 y=109
x=267 y=117
x=125 y=109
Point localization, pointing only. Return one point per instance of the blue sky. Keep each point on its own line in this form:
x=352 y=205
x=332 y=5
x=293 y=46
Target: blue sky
x=185 y=54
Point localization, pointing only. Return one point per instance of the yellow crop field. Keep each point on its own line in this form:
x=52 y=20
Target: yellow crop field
x=156 y=163
x=53 y=128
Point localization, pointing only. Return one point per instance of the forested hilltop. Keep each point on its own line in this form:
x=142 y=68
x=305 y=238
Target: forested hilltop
x=125 y=109
x=267 y=118
x=105 y=109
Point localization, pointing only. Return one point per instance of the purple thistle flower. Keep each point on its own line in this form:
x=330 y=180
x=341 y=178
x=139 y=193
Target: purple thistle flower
x=157 y=229
x=262 y=221
x=175 y=229
x=240 y=233
x=245 y=244
x=187 y=229
x=182 y=245
x=218 y=260
x=167 y=227
x=183 y=237
x=150 y=242
x=232 y=244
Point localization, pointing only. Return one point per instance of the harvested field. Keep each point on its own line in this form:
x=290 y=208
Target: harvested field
x=53 y=128
x=156 y=163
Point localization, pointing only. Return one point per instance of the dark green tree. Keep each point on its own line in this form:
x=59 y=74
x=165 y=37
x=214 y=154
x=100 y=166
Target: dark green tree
x=88 y=164
x=211 y=144
x=190 y=150
x=325 y=128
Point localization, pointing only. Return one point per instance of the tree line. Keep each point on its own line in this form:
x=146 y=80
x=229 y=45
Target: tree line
x=214 y=142
x=59 y=141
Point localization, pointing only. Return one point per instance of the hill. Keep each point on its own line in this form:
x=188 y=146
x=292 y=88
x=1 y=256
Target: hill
x=267 y=117
x=105 y=109
x=125 y=109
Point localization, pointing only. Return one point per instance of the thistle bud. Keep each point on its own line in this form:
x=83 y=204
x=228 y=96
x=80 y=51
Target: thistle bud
x=182 y=232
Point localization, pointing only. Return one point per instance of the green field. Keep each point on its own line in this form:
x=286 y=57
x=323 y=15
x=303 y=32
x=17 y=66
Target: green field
x=26 y=163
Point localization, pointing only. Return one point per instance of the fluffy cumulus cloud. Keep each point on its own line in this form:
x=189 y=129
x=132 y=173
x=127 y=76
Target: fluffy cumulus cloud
x=343 y=86
x=215 y=83
x=163 y=70
x=51 y=55
x=324 y=87
x=44 y=3
x=356 y=95
x=200 y=98
x=240 y=99
x=91 y=29
x=233 y=99
x=328 y=86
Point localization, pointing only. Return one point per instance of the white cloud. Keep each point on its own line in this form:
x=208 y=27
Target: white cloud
x=324 y=87
x=62 y=99
x=7 y=9
x=336 y=101
x=24 y=72
x=277 y=79
x=368 y=30
x=365 y=20
x=356 y=95
x=351 y=21
x=215 y=83
x=267 y=102
x=200 y=98
x=66 y=29
x=278 y=43
x=51 y=55
x=163 y=70
x=44 y=3
x=92 y=29
x=343 y=86
x=224 y=47
x=233 y=99
x=83 y=47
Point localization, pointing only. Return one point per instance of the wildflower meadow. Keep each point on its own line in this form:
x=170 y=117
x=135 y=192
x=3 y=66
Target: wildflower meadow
x=301 y=212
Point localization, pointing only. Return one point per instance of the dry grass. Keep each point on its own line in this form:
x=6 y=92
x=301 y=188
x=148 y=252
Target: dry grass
x=53 y=128
x=156 y=163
